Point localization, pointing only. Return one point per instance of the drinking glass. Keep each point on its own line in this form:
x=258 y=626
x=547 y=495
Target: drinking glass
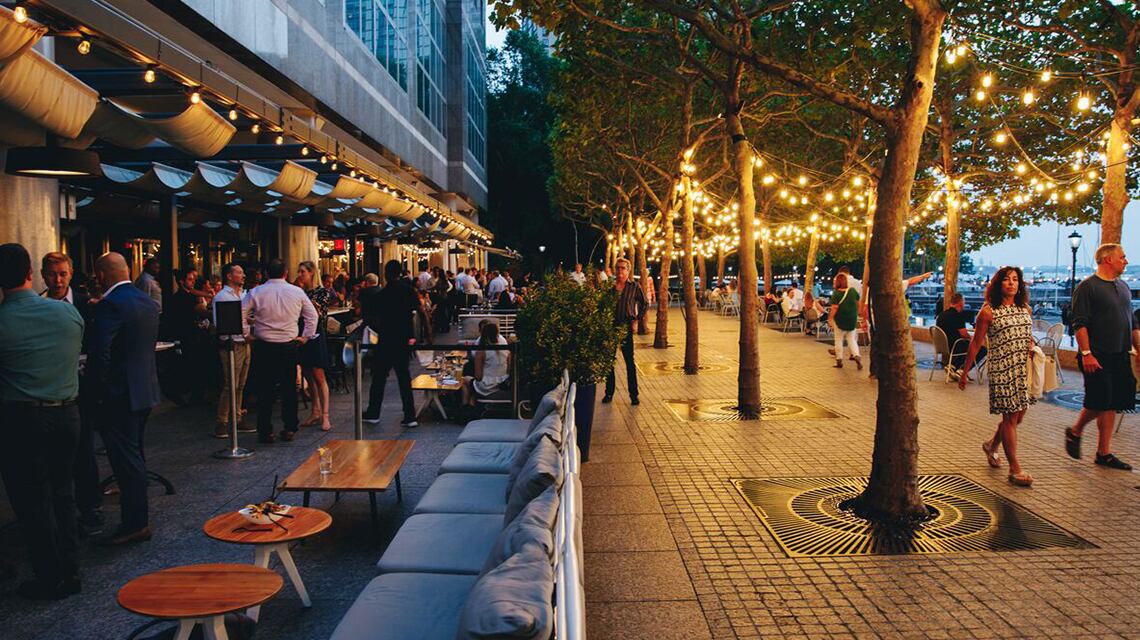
x=326 y=460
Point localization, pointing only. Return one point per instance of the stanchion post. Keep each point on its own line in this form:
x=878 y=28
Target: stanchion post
x=357 y=409
x=234 y=452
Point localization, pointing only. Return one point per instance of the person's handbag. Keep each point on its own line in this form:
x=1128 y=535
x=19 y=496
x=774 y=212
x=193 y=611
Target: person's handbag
x=1051 y=382
x=1035 y=373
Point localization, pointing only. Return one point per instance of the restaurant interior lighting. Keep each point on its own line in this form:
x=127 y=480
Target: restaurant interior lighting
x=52 y=162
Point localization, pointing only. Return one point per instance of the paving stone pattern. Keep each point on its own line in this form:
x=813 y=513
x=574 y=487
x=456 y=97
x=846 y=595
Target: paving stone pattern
x=726 y=577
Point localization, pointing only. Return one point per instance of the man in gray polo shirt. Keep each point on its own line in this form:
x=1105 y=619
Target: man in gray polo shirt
x=1102 y=324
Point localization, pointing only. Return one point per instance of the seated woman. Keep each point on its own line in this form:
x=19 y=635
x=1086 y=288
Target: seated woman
x=506 y=301
x=491 y=367
x=813 y=311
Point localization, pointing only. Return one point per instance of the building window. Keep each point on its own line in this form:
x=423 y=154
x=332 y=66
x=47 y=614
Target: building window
x=380 y=26
x=429 y=62
x=476 y=106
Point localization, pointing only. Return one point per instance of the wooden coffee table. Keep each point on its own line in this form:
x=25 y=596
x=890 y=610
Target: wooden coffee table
x=200 y=594
x=433 y=389
x=269 y=539
x=358 y=465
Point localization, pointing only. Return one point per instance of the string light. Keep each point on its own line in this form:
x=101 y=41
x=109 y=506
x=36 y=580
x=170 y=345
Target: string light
x=280 y=139
x=255 y=129
x=195 y=98
x=84 y=46
x=1028 y=97
x=987 y=81
x=149 y=76
x=20 y=14
x=1083 y=102
x=1046 y=75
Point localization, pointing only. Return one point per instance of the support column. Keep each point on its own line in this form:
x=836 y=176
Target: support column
x=168 y=251
x=29 y=215
x=303 y=244
x=353 y=271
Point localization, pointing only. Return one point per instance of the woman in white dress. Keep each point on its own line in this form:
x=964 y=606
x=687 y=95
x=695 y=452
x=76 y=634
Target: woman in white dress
x=491 y=367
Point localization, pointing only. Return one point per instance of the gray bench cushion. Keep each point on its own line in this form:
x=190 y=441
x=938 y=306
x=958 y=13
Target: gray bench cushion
x=543 y=469
x=495 y=430
x=550 y=428
x=441 y=543
x=465 y=493
x=535 y=525
x=513 y=600
x=407 y=606
x=480 y=457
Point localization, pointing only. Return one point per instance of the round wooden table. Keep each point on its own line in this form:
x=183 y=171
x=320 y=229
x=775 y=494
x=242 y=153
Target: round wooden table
x=269 y=539
x=200 y=594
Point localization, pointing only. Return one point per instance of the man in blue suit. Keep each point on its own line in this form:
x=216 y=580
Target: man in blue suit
x=124 y=381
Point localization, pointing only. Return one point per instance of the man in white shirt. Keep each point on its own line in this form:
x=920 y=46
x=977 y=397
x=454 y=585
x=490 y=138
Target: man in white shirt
x=468 y=285
x=496 y=287
x=577 y=275
x=148 y=281
x=423 y=282
x=275 y=308
x=795 y=299
x=233 y=291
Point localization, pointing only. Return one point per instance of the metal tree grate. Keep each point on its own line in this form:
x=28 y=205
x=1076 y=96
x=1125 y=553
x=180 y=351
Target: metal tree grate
x=803 y=515
x=724 y=410
x=672 y=368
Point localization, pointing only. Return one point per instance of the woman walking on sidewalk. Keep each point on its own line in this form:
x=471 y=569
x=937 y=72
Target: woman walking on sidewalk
x=845 y=318
x=1006 y=322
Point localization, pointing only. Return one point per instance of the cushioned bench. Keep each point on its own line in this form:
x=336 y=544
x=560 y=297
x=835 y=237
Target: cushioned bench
x=495 y=430
x=480 y=556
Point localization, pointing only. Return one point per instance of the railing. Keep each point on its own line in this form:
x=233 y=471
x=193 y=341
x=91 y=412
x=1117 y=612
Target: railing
x=569 y=599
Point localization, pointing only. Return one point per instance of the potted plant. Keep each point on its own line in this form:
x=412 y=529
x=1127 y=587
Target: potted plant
x=568 y=326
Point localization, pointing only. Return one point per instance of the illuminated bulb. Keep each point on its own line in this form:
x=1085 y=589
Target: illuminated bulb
x=84 y=47
x=304 y=151
x=803 y=200
x=1092 y=175
x=951 y=56
x=20 y=13
x=1046 y=75
x=846 y=193
x=256 y=128
x=979 y=95
x=987 y=81
x=195 y=98
x=769 y=179
x=1082 y=187
x=333 y=167
x=758 y=161
x=149 y=75
x=784 y=193
x=324 y=159
x=960 y=50
x=352 y=174
x=1068 y=196
x=1021 y=168
x=802 y=180
x=828 y=197
x=1000 y=138
x=233 y=114
x=1027 y=98
x=279 y=140
x=1083 y=103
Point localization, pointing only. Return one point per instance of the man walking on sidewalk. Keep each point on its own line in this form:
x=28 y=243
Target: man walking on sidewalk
x=1102 y=324
x=389 y=312
x=631 y=306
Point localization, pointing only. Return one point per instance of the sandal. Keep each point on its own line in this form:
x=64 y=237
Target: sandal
x=1072 y=444
x=311 y=421
x=991 y=454
x=1021 y=479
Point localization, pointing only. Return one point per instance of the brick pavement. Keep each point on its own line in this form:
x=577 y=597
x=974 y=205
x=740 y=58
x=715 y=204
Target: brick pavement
x=673 y=551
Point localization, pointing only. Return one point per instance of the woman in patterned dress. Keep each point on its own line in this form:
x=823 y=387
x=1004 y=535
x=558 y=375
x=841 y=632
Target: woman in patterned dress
x=1005 y=321
x=314 y=355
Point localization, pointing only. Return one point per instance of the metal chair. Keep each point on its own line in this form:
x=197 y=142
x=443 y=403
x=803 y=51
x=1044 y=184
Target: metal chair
x=943 y=352
x=791 y=318
x=1050 y=344
x=731 y=305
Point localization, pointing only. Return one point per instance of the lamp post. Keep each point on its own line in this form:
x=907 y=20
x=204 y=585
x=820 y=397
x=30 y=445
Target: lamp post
x=922 y=252
x=1075 y=243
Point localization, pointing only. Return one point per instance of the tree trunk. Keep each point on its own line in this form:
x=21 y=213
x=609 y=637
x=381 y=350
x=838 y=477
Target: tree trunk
x=748 y=377
x=809 y=268
x=1115 y=190
x=661 y=328
x=892 y=491
x=646 y=283
x=720 y=264
x=692 y=354
x=702 y=275
x=953 y=245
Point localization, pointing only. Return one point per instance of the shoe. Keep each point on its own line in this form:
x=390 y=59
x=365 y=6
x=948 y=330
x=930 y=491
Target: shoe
x=1021 y=479
x=39 y=590
x=370 y=418
x=831 y=351
x=409 y=424
x=269 y=439
x=288 y=436
x=607 y=399
x=1072 y=444
x=634 y=401
x=838 y=363
x=244 y=429
x=120 y=538
x=991 y=454
x=1112 y=462
x=91 y=523
x=221 y=430
x=858 y=363
x=952 y=374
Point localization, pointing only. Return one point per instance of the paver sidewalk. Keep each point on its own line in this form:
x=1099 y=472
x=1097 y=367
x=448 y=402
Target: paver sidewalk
x=673 y=551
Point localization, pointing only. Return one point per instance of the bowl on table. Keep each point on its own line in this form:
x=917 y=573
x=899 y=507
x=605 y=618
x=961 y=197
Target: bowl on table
x=256 y=514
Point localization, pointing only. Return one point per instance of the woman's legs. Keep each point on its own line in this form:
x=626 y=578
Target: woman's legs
x=839 y=336
x=853 y=343
x=1009 y=424
x=321 y=396
x=314 y=397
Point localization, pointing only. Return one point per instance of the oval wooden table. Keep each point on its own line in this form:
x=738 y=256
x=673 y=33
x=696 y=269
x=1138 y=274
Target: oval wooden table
x=269 y=539
x=200 y=594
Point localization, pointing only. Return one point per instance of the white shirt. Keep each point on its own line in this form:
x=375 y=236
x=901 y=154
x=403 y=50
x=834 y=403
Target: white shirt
x=470 y=285
x=795 y=299
x=122 y=282
x=578 y=276
x=424 y=280
x=497 y=286
x=275 y=308
x=227 y=294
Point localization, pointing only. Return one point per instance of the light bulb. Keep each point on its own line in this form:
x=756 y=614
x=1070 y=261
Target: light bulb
x=195 y=98
x=1046 y=75
x=1000 y=137
x=20 y=13
x=1027 y=98
x=802 y=180
x=951 y=56
x=255 y=129
x=333 y=167
x=84 y=47
x=857 y=181
x=1083 y=103
x=987 y=80
x=149 y=75
x=1021 y=168
x=304 y=151
x=980 y=95
x=233 y=114
x=960 y=50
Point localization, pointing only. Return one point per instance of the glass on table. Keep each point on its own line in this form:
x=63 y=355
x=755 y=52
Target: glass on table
x=325 y=458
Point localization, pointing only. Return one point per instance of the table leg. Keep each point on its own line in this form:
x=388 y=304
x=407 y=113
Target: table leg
x=428 y=395
x=261 y=554
x=372 y=506
x=291 y=569
x=215 y=628
x=399 y=490
x=306 y=499
x=185 y=626
x=439 y=405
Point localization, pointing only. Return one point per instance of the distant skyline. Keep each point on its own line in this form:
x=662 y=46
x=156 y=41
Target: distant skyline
x=1036 y=246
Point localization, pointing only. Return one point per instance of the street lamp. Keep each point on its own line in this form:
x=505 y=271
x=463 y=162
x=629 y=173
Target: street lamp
x=922 y=252
x=1075 y=243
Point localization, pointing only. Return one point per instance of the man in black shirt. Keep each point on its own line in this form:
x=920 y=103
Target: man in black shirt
x=1103 y=326
x=953 y=321
x=185 y=314
x=389 y=312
